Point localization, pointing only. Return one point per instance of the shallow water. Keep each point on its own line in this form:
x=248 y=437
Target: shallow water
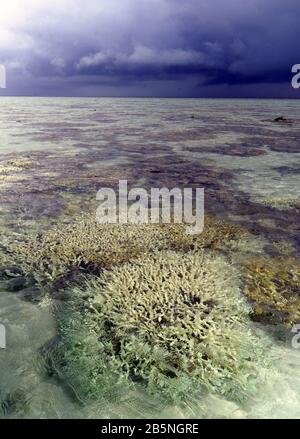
x=28 y=392
x=78 y=145
x=25 y=389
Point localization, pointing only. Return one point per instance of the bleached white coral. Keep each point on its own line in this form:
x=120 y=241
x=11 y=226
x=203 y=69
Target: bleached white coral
x=174 y=323
x=82 y=243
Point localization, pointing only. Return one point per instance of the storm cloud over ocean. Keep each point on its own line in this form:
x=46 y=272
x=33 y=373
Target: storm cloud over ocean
x=193 y=48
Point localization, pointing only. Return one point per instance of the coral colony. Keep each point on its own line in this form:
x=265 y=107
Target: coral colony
x=159 y=310
x=172 y=323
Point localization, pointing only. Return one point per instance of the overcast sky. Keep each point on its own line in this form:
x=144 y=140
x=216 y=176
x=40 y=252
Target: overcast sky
x=193 y=48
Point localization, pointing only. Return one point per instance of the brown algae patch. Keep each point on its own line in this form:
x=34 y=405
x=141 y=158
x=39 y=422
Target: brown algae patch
x=239 y=150
x=216 y=233
x=281 y=203
x=283 y=248
x=273 y=286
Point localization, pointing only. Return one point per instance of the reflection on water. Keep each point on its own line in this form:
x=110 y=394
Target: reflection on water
x=77 y=145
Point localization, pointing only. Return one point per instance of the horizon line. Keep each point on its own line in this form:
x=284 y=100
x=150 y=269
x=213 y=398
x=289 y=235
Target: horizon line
x=151 y=97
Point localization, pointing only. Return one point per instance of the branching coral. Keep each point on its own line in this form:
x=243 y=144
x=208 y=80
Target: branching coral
x=172 y=323
x=274 y=287
x=83 y=244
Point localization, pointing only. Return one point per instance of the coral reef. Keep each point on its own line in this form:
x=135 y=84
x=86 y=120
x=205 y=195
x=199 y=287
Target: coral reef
x=273 y=285
x=158 y=313
x=86 y=244
x=174 y=324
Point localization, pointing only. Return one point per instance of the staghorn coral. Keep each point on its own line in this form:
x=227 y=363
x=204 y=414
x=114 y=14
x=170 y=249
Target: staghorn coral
x=84 y=244
x=172 y=323
x=273 y=285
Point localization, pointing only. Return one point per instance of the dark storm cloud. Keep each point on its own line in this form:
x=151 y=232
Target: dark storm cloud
x=149 y=47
